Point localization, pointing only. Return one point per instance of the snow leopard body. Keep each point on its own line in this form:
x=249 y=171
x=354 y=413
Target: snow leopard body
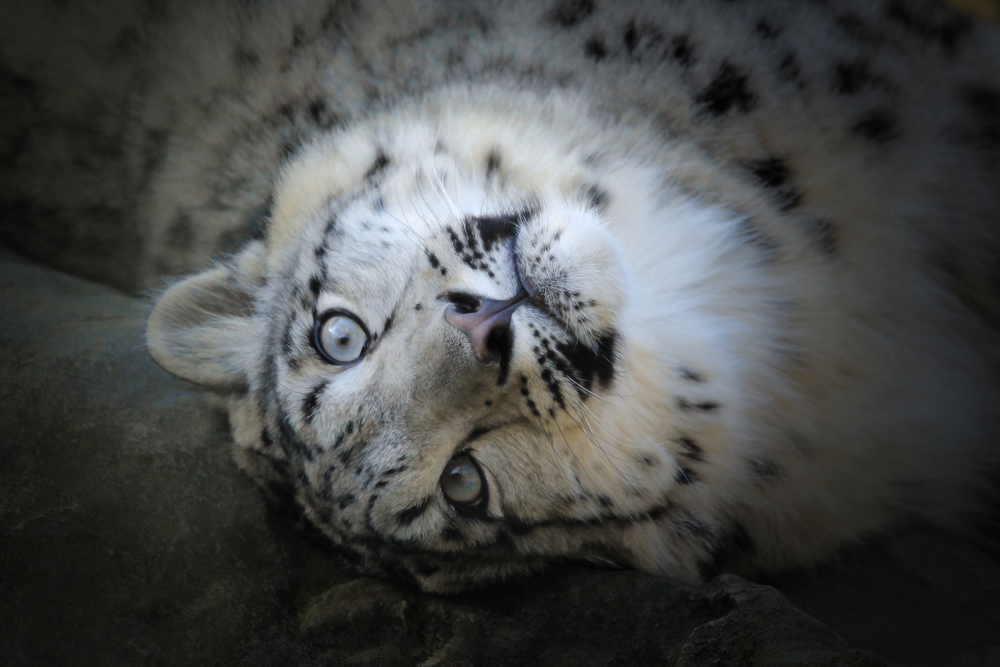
x=747 y=252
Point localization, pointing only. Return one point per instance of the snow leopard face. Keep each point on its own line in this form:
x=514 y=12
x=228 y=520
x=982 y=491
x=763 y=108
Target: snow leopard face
x=428 y=346
x=429 y=368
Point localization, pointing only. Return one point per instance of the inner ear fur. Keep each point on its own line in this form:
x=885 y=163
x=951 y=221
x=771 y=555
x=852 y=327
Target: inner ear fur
x=202 y=328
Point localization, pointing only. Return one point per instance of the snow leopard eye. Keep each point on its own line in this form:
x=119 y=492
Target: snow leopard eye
x=461 y=481
x=340 y=337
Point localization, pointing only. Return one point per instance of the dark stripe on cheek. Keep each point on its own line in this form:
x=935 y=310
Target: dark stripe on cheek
x=290 y=443
x=410 y=514
x=311 y=401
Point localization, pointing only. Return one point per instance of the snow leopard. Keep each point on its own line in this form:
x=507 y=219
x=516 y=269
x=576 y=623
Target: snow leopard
x=687 y=287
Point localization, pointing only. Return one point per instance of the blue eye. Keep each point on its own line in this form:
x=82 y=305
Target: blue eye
x=340 y=337
x=461 y=481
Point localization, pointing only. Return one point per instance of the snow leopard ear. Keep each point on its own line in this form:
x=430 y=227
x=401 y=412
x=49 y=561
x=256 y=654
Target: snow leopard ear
x=203 y=329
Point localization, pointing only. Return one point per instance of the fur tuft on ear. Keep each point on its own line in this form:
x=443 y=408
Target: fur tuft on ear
x=203 y=329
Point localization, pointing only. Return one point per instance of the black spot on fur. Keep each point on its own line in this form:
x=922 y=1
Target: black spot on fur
x=311 y=402
x=766 y=30
x=686 y=476
x=764 y=469
x=387 y=326
x=477 y=433
x=298 y=36
x=321 y=115
x=569 y=13
x=265 y=438
x=692 y=525
x=729 y=89
x=877 y=126
x=288 y=111
x=496 y=229
x=701 y=406
x=287 y=344
x=726 y=551
x=641 y=40
x=631 y=37
x=788 y=198
x=501 y=339
x=456 y=242
x=345 y=500
x=985 y=107
x=315 y=284
x=432 y=258
x=379 y=166
x=553 y=386
x=789 y=70
x=826 y=236
x=492 y=163
x=945 y=27
x=690 y=449
x=681 y=50
x=586 y=364
x=338 y=441
x=331 y=225
x=598 y=197
x=594 y=49
x=688 y=374
x=774 y=173
x=288 y=441
x=852 y=77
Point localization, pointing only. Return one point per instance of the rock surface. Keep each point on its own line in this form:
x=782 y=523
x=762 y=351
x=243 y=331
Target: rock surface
x=128 y=537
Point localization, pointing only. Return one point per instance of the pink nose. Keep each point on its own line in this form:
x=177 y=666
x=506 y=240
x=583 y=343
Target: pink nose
x=486 y=323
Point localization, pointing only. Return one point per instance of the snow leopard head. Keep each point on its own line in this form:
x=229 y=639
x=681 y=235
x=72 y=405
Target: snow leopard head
x=425 y=355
